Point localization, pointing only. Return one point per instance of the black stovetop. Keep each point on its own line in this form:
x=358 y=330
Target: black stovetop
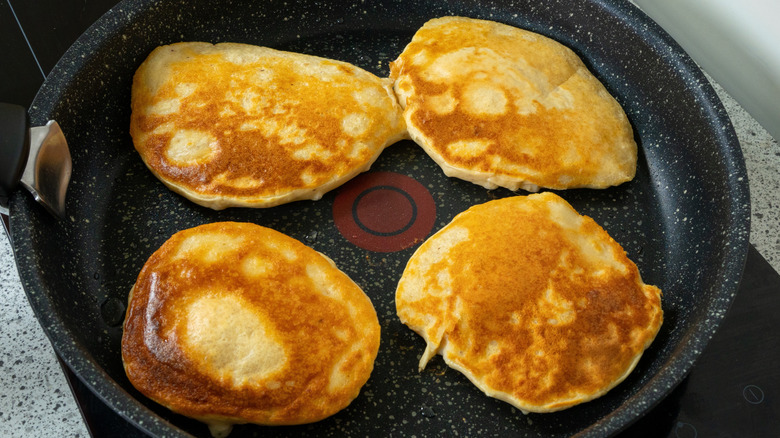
x=733 y=391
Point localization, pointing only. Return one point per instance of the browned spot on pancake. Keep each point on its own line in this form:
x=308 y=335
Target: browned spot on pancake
x=275 y=119
x=319 y=321
x=540 y=307
x=546 y=119
x=550 y=131
x=245 y=153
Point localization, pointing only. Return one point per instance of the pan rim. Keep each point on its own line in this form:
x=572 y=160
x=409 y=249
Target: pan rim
x=671 y=374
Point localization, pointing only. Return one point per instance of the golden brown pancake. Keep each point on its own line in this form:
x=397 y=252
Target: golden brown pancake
x=240 y=125
x=237 y=323
x=534 y=303
x=501 y=106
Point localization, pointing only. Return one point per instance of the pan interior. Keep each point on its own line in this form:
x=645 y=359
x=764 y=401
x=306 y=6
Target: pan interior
x=683 y=220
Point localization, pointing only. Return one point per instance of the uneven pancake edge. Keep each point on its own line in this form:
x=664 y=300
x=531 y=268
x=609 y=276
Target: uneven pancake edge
x=547 y=121
x=240 y=125
x=234 y=323
x=440 y=304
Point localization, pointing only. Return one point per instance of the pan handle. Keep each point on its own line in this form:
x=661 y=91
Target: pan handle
x=38 y=158
x=14 y=150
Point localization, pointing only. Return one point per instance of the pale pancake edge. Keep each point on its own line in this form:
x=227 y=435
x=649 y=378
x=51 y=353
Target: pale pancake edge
x=240 y=125
x=236 y=323
x=534 y=303
x=501 y=106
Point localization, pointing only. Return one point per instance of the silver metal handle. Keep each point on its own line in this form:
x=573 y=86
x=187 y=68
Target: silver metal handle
x=38 y=158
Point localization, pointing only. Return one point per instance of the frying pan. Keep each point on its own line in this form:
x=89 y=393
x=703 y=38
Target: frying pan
x=684 y=219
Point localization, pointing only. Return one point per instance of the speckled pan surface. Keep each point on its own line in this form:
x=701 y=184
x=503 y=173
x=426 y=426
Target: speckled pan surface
x=684 y=219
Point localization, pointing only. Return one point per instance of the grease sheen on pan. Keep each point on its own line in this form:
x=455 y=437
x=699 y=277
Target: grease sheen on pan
x=501 y=106
x=237 y=323
x=240 y=125
x=537 y=305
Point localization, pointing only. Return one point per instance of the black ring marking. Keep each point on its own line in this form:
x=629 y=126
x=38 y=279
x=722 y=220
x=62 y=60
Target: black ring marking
x=379 y=233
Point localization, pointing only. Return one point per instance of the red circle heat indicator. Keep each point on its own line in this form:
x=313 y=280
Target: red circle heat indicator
x=384 y=211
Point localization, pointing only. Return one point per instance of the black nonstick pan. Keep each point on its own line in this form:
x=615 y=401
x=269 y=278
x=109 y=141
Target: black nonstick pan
x=684 y=219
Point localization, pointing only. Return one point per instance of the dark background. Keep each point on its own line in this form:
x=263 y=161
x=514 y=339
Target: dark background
x=43 y=27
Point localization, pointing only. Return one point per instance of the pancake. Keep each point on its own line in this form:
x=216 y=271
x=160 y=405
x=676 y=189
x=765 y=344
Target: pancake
x=239 y=125
x=534 y=303
x=501 y=106
x=237 y=323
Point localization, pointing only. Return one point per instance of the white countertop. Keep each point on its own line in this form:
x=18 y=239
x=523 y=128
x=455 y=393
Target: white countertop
x=35 y=399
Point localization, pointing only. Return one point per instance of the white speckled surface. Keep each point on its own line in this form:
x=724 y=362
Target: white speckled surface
x=762 y=159
x=35 y=399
